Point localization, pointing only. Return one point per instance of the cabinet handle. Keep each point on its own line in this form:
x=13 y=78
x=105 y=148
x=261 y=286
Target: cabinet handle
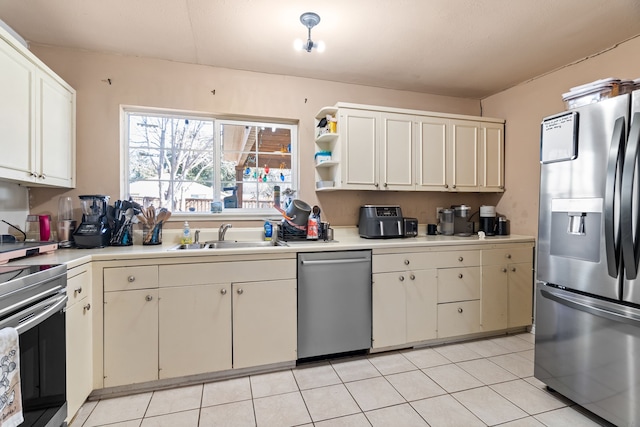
x=33 y=174
x=77 y=291
x=376 y=185
x=460 y=276
x=412 y=277
x=148 y=298
x=446 y=186
x=223 y=291
x=508 y=256
x=406 y=262
x=131 y=279
x=460 y=310
x=42 y=176
x=240 y=291
x=86 y=308
x=460 y=259
x=504 y=270
x=513 y=269
x=453 y=186
x=385 y=185
x=401 y=278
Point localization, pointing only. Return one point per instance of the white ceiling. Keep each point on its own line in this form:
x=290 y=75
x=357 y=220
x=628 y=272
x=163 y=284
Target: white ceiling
x=466 y=48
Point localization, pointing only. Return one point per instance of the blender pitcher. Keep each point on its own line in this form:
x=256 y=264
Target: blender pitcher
x=445 y=225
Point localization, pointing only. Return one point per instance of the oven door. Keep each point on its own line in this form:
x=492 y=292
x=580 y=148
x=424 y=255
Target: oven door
x=41 y=329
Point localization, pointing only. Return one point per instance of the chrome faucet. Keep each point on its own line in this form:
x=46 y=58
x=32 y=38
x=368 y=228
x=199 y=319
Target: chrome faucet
x=196 y=236
x=222 y=231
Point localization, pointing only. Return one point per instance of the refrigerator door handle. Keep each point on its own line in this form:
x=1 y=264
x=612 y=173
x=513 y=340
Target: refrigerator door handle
x=614 y=169
x=630 y=253
x=630 y=316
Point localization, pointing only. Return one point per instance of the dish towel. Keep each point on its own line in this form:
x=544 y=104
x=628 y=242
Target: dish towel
x=10 y=391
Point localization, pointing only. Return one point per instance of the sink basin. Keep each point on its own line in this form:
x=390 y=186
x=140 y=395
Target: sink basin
x=229 y=244
x=225 y=244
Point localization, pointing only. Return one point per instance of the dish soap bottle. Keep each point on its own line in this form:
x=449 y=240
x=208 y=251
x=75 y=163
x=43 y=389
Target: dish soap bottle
x=268 y=231
x=186 y=235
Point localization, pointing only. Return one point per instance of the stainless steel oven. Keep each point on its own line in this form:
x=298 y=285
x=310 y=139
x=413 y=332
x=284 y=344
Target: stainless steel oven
x=32 y=300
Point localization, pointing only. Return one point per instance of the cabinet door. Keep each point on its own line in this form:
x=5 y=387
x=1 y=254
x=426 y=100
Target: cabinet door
x=389 y=316
x=494 y=297
x=458 y=318
x=520 y=294
x=491 y=166
x=359 y=133
x=130 y=337
x=79 y=354
x=396 y=152
x=194 y=320
x=56 y=133
x=422 y=302
x=264 y=322
x=432 y=161
x=17 y=126
x=465 y=151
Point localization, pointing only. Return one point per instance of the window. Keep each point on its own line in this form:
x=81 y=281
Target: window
x=185 y=162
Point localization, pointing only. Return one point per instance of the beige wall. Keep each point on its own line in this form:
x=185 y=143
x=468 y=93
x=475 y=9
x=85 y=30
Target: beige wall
x=525 y=106
x=156 y=83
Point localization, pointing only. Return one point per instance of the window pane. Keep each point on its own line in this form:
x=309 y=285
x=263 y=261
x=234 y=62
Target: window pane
x=171 y=162
x=255 y=158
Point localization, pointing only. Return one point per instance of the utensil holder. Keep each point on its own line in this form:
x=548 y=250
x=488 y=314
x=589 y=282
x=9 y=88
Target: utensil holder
x=152 y=235
x=123 y=236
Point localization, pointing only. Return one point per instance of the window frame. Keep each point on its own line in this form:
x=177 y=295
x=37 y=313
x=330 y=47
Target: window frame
x=235 y=214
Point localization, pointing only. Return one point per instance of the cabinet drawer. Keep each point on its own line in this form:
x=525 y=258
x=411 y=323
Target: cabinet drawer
x=402 y=262
x=457 y=259
x=458 y=284
x=458 y=318
x=128 y=278
x=78 y=287
x=507 y=256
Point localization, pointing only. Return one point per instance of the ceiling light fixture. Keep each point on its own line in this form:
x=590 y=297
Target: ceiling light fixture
x=309 y=20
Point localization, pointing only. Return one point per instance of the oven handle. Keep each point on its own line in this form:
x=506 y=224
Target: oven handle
x=25 y=302
x=41 y=312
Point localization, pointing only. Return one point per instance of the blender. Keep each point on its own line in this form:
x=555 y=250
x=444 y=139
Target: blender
x=94 y=231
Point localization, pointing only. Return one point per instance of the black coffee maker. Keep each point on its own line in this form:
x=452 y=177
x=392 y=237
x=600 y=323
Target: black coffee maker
x=94 y=231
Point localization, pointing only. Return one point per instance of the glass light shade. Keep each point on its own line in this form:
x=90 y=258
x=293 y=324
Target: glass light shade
x=320 y=46
x=298 y=44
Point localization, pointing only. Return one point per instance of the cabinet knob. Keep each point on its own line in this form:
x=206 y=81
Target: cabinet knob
x=86 y=308
x=77 y=291
x=131 y=279
x=460 y=310
x=453 y=186
x=446 y=186
x=148 y=298
x=223 y=291
x=42 y=176
x=376 y=185
x=508 y=256
x=460 y=276
x=406 y=262
x=504 y=270
x=460 y=259
x=34 y=174
x=385 y=185
x=240 y=291
x=513 y=269
x=401 y=278
x=412 y=277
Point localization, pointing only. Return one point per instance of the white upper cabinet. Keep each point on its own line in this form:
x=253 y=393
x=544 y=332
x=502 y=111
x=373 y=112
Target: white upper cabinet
x=38 y=136
x=377 y=148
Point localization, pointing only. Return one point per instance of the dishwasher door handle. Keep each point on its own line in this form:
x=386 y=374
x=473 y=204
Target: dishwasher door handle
x=335 y=261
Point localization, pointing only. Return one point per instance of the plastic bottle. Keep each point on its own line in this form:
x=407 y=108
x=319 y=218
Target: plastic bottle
x=186 y=235
x=268 y=230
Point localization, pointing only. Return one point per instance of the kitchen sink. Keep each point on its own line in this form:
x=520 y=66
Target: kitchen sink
x=224 y=244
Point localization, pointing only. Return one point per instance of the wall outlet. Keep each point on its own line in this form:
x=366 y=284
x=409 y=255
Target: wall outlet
x=438 y=209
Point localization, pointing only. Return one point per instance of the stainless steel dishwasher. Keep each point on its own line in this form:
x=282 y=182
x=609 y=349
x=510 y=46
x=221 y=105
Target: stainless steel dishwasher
x=334 y=302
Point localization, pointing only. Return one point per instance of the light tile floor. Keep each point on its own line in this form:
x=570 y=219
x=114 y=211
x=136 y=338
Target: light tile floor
x=479 y=383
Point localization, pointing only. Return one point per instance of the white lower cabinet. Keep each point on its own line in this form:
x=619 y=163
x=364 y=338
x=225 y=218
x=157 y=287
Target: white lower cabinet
x=264 y=323
x=190 y=319
x=78 y=338
x=194 y=320
x=459 y=300
x=130 y=337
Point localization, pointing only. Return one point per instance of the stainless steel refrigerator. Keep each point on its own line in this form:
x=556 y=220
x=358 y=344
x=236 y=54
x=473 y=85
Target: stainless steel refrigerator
x=587 y=319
